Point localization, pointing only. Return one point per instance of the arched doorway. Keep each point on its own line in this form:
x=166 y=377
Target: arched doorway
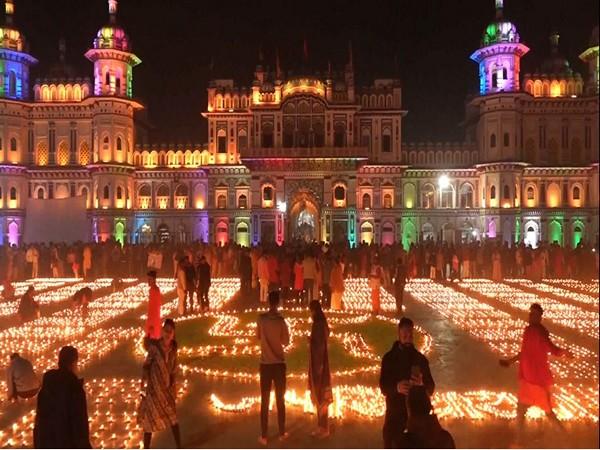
x=531 y=234
x=555 y=233
x=164 y=235
x=366 y=233
x=427 y=232
x=242 y=235
x=448 y=233
x=304 y=217
x=120 y=233
x=222 y=233
x=145 y=234
x=577 y=233
x=387 y=233
x=409 y=235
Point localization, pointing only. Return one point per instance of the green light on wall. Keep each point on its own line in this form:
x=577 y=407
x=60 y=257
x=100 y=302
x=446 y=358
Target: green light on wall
x=120 y=232
x=409 y=234
x=517 y=230
x=555 y=232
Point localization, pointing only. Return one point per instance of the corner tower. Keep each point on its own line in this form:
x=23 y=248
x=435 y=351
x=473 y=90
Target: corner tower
x=14 y=59
x=499 y=56
x=590 y=56
x=113 y=59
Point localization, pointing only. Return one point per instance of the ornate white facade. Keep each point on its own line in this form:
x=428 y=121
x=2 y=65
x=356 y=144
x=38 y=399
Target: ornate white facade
x=306 y=155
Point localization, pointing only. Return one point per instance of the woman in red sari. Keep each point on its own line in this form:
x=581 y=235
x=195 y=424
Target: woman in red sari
x=535 y=377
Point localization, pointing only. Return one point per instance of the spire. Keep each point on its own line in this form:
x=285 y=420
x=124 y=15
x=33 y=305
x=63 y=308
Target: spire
x=554 y=37
x=499 y=9
x=62 y=50
x=350 y=56
x=112 y=10
x=9 y=9
x=277 y=65
x=305 y=51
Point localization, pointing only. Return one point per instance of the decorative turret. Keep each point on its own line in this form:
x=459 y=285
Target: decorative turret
x=14 y=59
x=499 y=56
x=113 y=59
x=590 y=56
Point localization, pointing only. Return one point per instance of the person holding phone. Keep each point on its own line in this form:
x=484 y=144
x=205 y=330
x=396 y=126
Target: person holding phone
x=403 y=368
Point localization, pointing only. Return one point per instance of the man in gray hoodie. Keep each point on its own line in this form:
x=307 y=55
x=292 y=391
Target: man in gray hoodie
x=273 y=333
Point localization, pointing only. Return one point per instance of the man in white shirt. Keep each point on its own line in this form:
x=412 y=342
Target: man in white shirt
x=21 y=379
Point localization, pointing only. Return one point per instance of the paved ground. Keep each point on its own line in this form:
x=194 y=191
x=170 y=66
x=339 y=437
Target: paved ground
x=458 y=362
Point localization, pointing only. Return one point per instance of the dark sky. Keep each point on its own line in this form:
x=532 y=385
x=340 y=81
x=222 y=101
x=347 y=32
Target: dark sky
x=178 y=39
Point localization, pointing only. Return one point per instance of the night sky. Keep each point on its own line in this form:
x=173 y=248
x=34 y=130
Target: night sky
x=426 y=43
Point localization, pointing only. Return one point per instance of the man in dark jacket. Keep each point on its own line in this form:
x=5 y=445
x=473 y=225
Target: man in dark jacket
x=203 y=276
x=61 y=419
x=402 y=369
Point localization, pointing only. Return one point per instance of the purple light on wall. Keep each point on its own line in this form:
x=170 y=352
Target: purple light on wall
x=13 y=233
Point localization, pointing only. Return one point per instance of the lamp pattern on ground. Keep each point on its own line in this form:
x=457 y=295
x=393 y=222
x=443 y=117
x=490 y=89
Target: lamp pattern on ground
x=591 y=288
x=587 y=301
x=560 y=312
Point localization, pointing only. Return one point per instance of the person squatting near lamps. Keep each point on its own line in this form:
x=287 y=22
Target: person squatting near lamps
x=21 y=380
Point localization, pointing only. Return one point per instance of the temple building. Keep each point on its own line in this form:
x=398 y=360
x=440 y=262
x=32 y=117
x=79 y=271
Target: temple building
x=306 y=155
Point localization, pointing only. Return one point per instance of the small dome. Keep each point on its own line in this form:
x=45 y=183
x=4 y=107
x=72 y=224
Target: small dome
x=112 y=37
x=500 y=31
x=11 y=39
x=556 y=63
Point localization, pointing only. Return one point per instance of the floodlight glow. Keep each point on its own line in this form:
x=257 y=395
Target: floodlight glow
x=444 y=182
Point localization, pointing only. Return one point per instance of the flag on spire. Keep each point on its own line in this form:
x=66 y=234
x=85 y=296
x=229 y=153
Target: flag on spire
x=112 y=10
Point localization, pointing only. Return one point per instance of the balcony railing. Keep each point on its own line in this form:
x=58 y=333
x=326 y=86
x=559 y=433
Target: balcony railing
x=306 y=152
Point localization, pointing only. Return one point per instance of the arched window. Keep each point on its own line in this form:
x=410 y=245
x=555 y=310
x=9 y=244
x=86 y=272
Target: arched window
x=506 y=193
x=268 y=193
x=119 y=193
x=13 y=193
x=339 y=193
x=493 y=140
x=39 y=193
x=0 y=193
x=267 y=135
x=118 y=86
x=119 y=144
x=105 y=143
x=387 y=201
x=576 y=193
x=339 y=135
x=106 y=193
x=12 y=84
x=107 y=78
x=427 y=197
x=84 y=154
x=506 y=139
x=221 y=201
x=366 y=201
x=242 y=201
x=493 y=193
x=386 y=140
x=62 y=155
x=466 y=196
x=42 y=154
x=13 y=144
x=530 y=193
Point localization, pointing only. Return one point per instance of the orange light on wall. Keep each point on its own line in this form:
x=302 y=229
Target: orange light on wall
x=199 y=203
x=144 y=202
x=181 y=202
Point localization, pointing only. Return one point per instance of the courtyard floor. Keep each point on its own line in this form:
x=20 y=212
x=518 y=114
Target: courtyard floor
x=463 y=329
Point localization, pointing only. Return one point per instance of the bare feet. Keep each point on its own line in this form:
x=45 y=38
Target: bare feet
x=284 y=436
x=262 y=441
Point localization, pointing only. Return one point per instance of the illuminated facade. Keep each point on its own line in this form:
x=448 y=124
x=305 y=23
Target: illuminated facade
x=311 y=156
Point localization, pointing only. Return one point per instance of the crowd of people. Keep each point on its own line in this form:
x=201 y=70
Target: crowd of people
x=427 y=258
x=311 y=275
